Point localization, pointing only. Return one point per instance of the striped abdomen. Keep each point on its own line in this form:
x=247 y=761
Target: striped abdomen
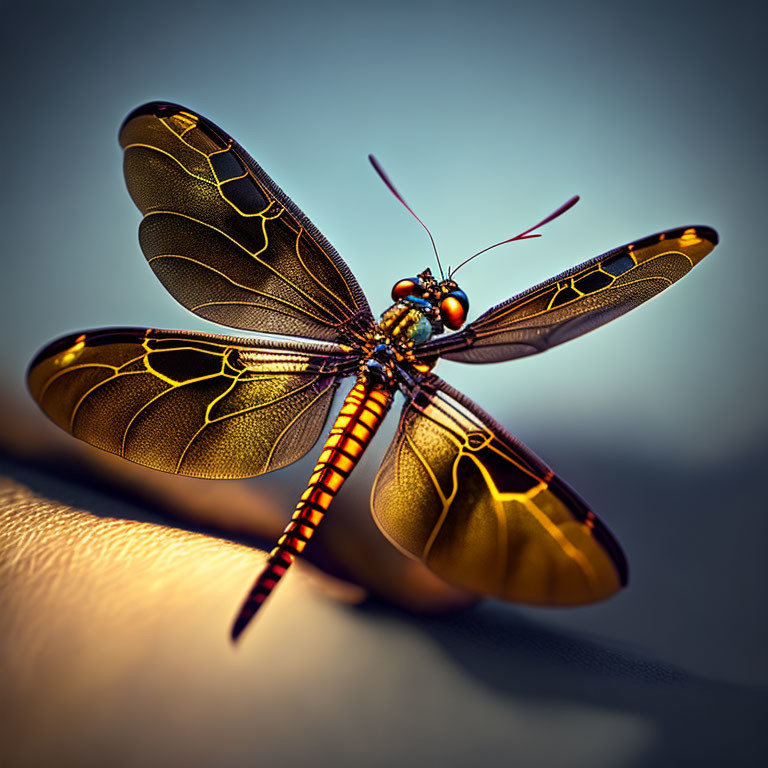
x=363 y=410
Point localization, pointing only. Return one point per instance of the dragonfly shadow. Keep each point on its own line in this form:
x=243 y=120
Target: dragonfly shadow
x=687 y=569
x=670 y=521
x=695 y=720
x=80 y=487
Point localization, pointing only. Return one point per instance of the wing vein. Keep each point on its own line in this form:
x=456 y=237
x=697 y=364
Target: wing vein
x=254 y=255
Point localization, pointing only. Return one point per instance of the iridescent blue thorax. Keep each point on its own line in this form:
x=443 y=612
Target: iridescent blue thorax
x=423 y=308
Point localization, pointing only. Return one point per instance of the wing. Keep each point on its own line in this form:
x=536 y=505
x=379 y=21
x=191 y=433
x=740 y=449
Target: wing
x=459 y=493
x=189 y=403
x=225 y=240
x=578 y=300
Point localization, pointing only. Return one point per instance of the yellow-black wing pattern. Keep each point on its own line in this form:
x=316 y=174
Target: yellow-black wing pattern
x=458 y=492
x=189 y=403
x=577 y=301
x=225 y=240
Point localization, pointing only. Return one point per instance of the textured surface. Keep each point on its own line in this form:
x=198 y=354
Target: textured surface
x=484 y=513
x=191 y=404
x=225 y=240
x=112 y=650
x=578 y=300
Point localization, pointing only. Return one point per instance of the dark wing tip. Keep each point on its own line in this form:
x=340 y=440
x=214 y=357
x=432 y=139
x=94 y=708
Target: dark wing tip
x=600 y=531
x=691 y=235
x=156 y=108
x=92 y=338
x=701 y=231
x=709 y=234
x=53 y=348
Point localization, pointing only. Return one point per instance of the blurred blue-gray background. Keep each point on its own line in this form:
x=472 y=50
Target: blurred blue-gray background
x=487 y=116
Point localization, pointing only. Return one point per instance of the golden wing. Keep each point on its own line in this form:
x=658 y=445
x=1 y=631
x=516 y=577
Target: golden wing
x=459 y=493
x=578 y=300
x=225 y=240
x=189 y=403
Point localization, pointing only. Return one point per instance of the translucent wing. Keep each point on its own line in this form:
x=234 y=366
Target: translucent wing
x=225 y=240
x=458 y=492
x=189 y=403
x=578 y=300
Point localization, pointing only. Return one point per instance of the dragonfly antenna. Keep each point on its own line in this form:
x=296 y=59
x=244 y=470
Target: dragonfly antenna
x=388 y=182
x=523 y=235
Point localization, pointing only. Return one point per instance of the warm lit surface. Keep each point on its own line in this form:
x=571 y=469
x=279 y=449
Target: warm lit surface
x=114 y=635
x=115 y=651
x=486 y=114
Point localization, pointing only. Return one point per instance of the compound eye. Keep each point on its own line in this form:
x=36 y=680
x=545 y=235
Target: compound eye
x=410 y=286
x=453 y=310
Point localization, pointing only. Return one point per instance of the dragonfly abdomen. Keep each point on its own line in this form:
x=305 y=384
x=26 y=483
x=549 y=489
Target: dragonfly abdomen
x=362 y=412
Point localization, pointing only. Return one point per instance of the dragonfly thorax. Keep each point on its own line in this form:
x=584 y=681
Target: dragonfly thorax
x=403 y=327
x=423 y=308
x=408 y=323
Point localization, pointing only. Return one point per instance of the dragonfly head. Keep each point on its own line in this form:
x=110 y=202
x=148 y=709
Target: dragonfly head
x=443 y=302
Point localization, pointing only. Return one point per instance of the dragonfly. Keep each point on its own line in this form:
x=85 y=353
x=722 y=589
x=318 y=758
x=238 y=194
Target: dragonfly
x=455 y=489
